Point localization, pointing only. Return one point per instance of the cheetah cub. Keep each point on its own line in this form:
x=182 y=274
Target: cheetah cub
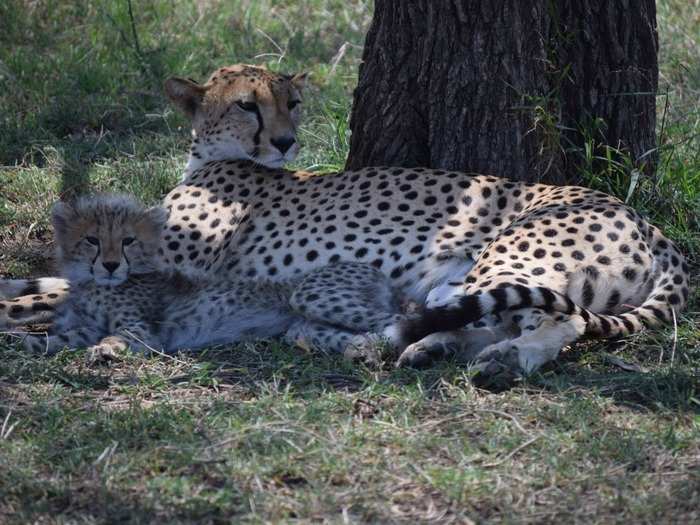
x=105 y=249
x=112 y=295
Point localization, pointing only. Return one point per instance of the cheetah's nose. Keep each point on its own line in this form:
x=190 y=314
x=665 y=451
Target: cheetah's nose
x=283 y=143
x=110 y=266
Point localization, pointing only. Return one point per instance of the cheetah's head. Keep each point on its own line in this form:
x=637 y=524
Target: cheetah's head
x=106 y=238
x=242 y=112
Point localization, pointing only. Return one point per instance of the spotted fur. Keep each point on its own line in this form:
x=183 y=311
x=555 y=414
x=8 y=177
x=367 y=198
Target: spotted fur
x=568 y=260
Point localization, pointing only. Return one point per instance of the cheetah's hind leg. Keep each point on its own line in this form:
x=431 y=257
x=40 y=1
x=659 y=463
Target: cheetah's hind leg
x=12 y=288
x=354 y=296
x=542 y=336
x=518 y=343
x=345 y=307
x=464 y=344
x=366 y=347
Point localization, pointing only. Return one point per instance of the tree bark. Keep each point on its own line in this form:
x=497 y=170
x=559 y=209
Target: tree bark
x=505 y=87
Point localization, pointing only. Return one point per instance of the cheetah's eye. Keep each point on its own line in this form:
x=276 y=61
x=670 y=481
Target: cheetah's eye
x=247 y=106
x=127 y=241
x=93 y=240
x=292 y=104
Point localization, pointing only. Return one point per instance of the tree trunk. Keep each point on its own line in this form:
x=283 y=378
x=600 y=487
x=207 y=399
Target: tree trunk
x=505 y=87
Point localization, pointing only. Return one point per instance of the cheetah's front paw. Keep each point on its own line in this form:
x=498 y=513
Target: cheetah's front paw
x=497 y=367
x=426 y=352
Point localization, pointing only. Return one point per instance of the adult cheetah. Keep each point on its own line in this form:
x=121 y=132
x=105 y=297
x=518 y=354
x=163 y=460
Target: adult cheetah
x=557 y=262
x=560 y=261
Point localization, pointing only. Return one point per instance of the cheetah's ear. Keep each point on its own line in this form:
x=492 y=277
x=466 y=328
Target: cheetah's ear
x=63 y=217
x=157 y=215
x=299 y=80
x=150 y=223
x=185 y=93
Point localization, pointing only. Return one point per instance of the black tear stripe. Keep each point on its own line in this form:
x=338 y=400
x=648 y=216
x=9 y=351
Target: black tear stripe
x=261 y=126
x=94 y=260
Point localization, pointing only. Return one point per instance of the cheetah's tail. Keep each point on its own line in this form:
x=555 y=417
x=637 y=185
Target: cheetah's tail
x=667 y=297
x=30 y=301
x=11 y=288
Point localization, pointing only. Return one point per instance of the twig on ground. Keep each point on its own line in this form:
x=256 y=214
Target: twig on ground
x=154 y=350
x=511 y=453
x=506 y=415
x=6 y=430
x=282 y=52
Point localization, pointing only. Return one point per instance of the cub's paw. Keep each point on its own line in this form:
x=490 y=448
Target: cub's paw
x=101 y=354
x=368 y=349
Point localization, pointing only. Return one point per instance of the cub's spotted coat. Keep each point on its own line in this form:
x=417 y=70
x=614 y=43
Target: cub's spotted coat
x=560 y=262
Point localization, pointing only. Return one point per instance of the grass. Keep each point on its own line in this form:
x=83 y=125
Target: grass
x=268 y=433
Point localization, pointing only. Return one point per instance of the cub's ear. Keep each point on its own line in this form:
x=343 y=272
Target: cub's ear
x=299 y=80
x=150 y=223
x=157 y=215
x=63 y=218
x=185 y=93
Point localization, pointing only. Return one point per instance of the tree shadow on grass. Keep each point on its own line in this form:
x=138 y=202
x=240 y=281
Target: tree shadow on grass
x=245 y=370
x=645 y=384
x=84 y=497
x=75 y=179
x=674 y=389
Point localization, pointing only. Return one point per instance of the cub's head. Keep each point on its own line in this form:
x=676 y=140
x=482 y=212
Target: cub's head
x=106 y=238
x=242 y=112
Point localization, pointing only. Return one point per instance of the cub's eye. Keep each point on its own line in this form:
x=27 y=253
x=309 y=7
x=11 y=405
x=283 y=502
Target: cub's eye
x=292 y=104
x=127 y=241
x=247 y=106
x=93 y=240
